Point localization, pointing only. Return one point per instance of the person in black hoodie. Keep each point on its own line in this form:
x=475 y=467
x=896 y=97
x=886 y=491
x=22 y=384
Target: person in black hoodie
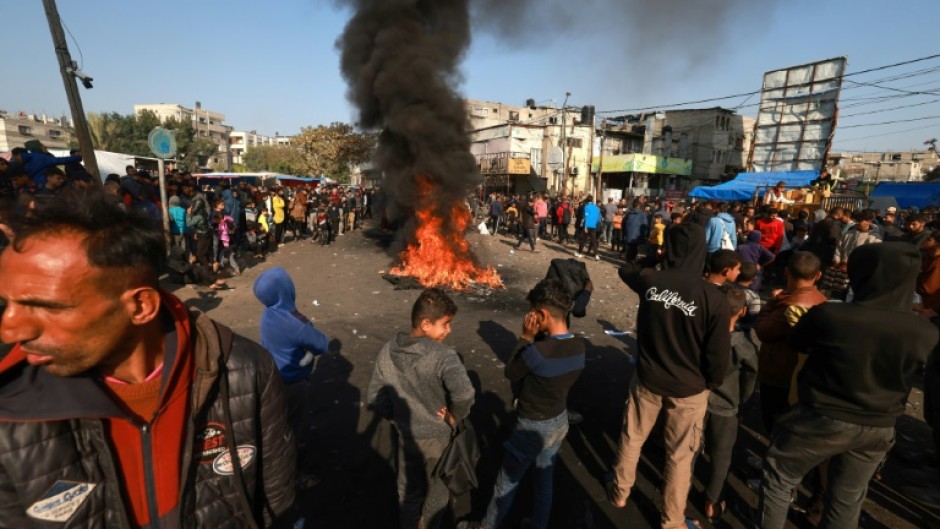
x=853 y=386
x=684 y=350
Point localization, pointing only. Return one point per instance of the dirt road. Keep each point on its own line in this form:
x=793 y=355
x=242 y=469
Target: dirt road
x=342 y=289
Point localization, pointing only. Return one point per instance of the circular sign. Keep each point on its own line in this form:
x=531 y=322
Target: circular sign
x=556 y=158
x=162 y=142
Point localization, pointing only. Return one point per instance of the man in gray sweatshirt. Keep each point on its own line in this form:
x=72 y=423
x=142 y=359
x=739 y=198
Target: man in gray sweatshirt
x=422 y=386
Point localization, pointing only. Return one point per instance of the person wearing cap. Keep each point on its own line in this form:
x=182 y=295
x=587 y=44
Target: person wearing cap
x=890 y=231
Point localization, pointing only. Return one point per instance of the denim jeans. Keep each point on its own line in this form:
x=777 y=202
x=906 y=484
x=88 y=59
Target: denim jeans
x=530 y=442
x=803 y=439
x=608 y=231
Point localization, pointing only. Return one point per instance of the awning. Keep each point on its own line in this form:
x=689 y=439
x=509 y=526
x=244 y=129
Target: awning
x=917 y=194
x=744 y=185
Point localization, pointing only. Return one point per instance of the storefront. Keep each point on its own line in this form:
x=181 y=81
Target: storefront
x=625 y=175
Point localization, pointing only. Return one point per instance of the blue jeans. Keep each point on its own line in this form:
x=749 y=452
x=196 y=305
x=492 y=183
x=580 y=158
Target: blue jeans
x=530 y=442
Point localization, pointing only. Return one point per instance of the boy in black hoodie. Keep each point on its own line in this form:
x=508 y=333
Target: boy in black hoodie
x=684 y=349
x=852 y=387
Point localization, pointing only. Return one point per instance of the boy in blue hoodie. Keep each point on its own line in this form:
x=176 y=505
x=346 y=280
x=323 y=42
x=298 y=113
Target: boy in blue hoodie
x=721 y=232
x=292 y=340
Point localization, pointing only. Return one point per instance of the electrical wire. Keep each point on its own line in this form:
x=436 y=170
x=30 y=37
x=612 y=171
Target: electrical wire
x=746 y=94
x=81 y=56
x=838 y=141
x=887 y=122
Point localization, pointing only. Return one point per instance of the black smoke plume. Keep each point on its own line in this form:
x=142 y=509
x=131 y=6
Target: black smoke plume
x=400 y=59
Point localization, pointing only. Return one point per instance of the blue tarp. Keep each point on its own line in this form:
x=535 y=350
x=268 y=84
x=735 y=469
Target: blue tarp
x=291 y=178
x=918 y=194
x=743 y=185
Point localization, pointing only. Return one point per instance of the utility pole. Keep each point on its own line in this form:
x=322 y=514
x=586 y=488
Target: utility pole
x=564 y=143
x=71 y=90
x=600 y=163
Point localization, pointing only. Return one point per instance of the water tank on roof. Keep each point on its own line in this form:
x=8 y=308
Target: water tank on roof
x=530 y=103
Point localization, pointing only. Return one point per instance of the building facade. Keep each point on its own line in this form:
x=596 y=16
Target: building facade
x=207 y=123
x=905 y=166
x=241 y=142
x=17 y=129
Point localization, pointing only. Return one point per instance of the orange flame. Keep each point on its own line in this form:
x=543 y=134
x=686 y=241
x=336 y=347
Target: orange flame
x=440 y=256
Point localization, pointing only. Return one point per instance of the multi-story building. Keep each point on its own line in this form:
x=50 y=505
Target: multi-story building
x=241 y=142
x=717 y=140
x=208 y=124
x=519 y=148
x=17 y=129
x=669 y=152
x=905 y=166
x=486 y=114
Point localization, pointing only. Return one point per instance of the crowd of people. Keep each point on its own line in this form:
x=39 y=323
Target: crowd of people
x=217 y=229
x=734 y=301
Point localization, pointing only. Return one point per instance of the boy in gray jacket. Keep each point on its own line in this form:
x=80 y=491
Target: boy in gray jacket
x=421 y=385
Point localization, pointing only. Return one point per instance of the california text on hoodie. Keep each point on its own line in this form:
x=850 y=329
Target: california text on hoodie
x=862 y=355
x=414 y=377
x=683 y=339
x=285 y=332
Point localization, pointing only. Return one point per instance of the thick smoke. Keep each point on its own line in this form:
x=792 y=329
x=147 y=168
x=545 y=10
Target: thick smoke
x=647 y=33
x=400 y=59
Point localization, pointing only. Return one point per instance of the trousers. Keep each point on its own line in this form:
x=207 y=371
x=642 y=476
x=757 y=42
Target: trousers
x=683 y=436
x=803 y=439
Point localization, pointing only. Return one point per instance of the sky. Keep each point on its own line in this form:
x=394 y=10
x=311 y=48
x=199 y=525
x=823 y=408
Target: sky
x=273 y=66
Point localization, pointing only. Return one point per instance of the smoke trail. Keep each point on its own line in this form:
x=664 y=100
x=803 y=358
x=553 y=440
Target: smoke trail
x=400 y=59
x=636 y=32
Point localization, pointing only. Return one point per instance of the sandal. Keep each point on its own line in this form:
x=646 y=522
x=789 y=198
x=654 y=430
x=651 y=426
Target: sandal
x=713 y=511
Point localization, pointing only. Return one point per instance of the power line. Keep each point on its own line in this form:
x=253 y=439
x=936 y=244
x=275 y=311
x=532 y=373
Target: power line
x=889 y=109
x=746 y=94
x=885 y=134
x=887 y=122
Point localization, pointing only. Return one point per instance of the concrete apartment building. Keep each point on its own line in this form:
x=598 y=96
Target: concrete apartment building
x=905 y=166
x=519 y=149
x=717 y=140
x=17 y=129
x=485 y=114
x=241 y=141
x=208 y=124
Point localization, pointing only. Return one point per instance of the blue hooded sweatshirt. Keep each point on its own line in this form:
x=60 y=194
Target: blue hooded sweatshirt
x=286 y=333
x=717 y=226
x=592 y=215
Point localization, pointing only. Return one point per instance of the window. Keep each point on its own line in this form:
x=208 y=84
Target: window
x=55 y=133
x=25 y=131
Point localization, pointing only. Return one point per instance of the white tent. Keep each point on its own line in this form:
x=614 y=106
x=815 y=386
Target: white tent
x=108 y=162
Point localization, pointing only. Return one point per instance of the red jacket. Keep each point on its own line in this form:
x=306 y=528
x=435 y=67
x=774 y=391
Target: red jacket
x=772 y=234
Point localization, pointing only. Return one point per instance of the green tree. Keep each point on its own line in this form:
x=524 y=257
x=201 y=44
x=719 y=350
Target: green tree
x=332 y=149
x=274 y=158
x=112 y=132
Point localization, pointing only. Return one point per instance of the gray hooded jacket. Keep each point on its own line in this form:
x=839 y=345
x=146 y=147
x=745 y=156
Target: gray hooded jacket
x=413 y=379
